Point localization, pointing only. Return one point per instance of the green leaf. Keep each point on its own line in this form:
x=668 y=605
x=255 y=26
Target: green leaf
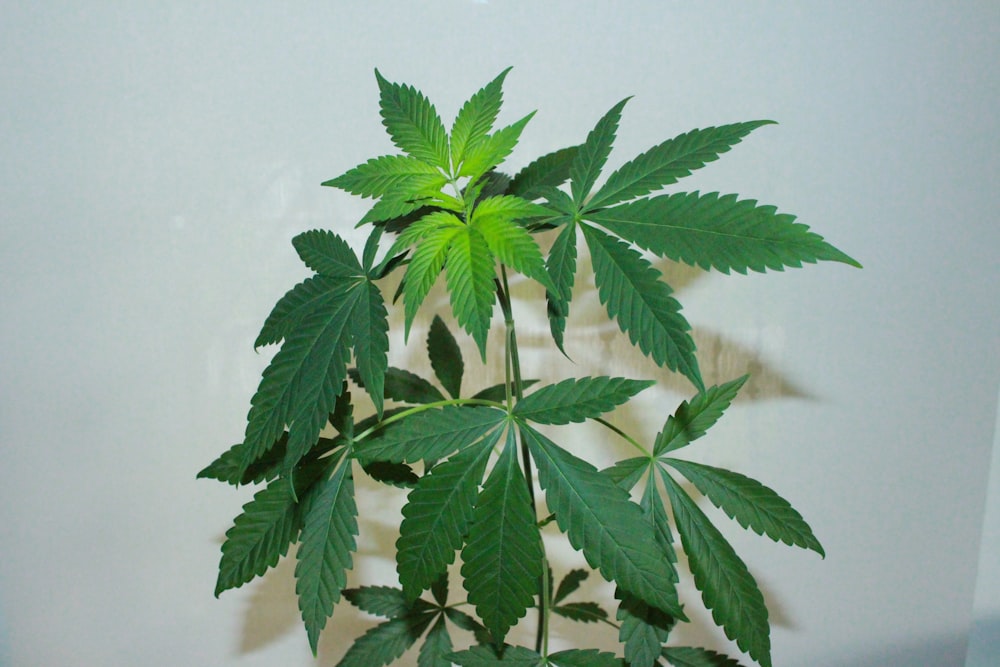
x=378 y=600
x=300 y=386
x=548 y=171
x=726 y=586
x=669 y=161
x=752 y=504
x=370 y=252
x=590 y=657
x=627 y=472
x=439 y=589
x=469 y=624
x=602 y=522
x=399 y=475
x=325 y=549
x=476 y=117
x=413 y=123
x=490 y=151
x=385 y=642
x=435 y=234
x=227 y=468
x=594 y=153
x=485 y=656
x=327 y=254
x=631 y=290
x=577 y=400
x=432 y=434
x=691 y=420
x=436 y=647
x=498 y=393
x=561 y=265
x=502 y=559
x=511 y=243
x=722 y=233
x=403 y=386
x=584 y=612
x=446 y=357
x=643 y=630
x=395 y=206
x=370 y=329
x=437 y=515
x=400 y=176
x=687 y=656
x=656 y=514
x=295 y=305
x=470 y=277
x=569 y=585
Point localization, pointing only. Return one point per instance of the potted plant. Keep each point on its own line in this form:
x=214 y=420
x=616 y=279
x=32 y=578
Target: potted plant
x=483 y=469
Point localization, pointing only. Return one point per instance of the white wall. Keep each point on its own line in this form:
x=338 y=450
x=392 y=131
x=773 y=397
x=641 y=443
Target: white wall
x=157 y=160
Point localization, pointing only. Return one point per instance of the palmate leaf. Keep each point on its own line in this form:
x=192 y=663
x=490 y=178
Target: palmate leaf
x=413 y=123
x=584 y=612
x=370 y=331
x=548 y=171
x=437 y=515
x=752 y=504
x=602 y=522
x=469 y=624
x=400 y=175
x=382 y=601
x=386 y=641
x=592 y=155
x=436 y=647
x=490 y=151
x=669 y=161
x=437 y=232
x=722 y=233
x=643 y=630
x=502 y=559
x=327 y=542
x=446 y=357
x=576 y=400
x=485 y=656
x=687 y=656
x=692 y=419
x=561 y=265
x=296 y=304
x=476 y=117
x=226 y=468
x=726 y=586
x=495 y=218
x=470 y=277
x=590 y=657
x=632 y=292
x=431 y=435
x=327 y=254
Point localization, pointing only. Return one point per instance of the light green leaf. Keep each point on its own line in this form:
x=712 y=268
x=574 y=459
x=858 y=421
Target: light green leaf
x=476 y=117
x=325 y=549
x=502 y=559
x=569 y=584
x=386 y=641
x=439 y=233
x=602 y=522
x=584 y=612
x=752 y=504
x=327 y=254
x=687 y=656
x=413 y=123
x=399 y=175
x=378 y=600
x=722 y=233
x=631 y=290
x=726 y=586
x=548 y=171
x=594 y=153
x=490 y=151
x=577 y=399
x=370 y=329
x=436 y=647
x=393 y=207
x=691 y=420
x=470 y=275
x=561 y=265
x=432 y=434
x=446 y=357
x=669 y=161
x=436 y=517
x=590 y=657
x=510 y=242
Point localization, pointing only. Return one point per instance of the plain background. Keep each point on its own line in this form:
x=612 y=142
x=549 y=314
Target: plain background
x=157 y=160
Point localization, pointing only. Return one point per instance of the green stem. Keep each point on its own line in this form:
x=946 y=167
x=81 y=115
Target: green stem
x=424 y=407
x=629 y=439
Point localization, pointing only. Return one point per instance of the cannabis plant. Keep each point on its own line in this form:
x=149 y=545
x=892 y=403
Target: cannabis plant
x=475 y=464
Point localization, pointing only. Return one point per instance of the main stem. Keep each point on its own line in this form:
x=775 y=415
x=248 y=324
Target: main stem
x=512 y=362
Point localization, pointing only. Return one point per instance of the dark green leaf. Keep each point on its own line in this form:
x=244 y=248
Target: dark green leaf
x=656 y=514
x=445 y=357
x=413 y=123
x=432 y=434
x=476 y=117
x=633 y=293
x=752 y=504
x=726 y=586
x=295 y=305
x=722 y=233
x=404 y=386
x=385 y=642
x=590 y=657
x=378 y=600
x=439 y=589
x=577 y=400
x=548 y=171
x=436 y=647
x=437 y=515
x=324 y=554
x=601 y=520
x=470 y=277
x=643 y=630
x=370 y=328
x=585 y=612
x=469 y=624
x=370 y=251
x=561 y=265
x=327 y=254
x=691 y=420
x=569 y=584
x=687 y=656
x=671 y=160
x=485 y=656
x=594 y=153
x=226 y=468
x=498 y=392
x=394 y=474
x=503 y=553
x=628 y=472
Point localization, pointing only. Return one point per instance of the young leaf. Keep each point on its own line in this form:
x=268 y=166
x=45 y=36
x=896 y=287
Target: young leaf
x=386 y=641
x=436 y=517
x=602 y=522
x=561 y=265
x=594 y=153
x=633 y=293
x=327 y=542
x=413 y=123
x=327 y=254
x=503 y=553
x=432 y=434
x=378 y=600
x=548 y=171
x=643 y=630
x=752 y=504
x=584 y=612
x=436 y=647
x=446 y=357
x=476 y=117
x=726 y=586
x=691 y=420
x=400 y=176
x=687 y=656
x=590 y=657
x=570 y=583
x=470 y=277
x=722 y=233
x=485 y=656
x=669 y=161
x=510 y=242
x=577 y=400
x=434 y=235
x=490 y=151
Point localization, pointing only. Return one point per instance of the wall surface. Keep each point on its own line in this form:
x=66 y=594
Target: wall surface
x=157 y=158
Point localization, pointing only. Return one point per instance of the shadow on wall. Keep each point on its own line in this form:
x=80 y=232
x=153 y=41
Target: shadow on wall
x=984 y=642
